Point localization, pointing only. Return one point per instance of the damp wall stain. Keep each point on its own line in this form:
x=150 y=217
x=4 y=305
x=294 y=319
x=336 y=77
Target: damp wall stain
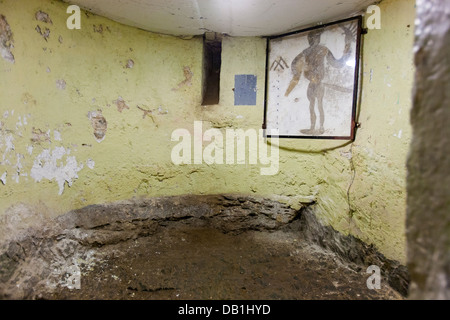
x=99 y=124
x=45 y=33
x=120 y=103
x=187 y=78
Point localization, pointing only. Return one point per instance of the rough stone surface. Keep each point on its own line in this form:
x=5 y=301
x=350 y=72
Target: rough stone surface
x=428 y=219
x=192 y=247
x=353 y=250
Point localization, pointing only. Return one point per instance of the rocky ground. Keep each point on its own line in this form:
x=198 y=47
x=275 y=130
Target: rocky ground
x=227 y=250
x=201 y=263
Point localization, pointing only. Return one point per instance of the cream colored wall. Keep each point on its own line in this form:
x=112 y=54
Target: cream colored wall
x=134 y=158
x=378 y=193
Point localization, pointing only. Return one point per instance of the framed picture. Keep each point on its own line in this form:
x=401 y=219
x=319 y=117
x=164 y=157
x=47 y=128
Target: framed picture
x=312 y=82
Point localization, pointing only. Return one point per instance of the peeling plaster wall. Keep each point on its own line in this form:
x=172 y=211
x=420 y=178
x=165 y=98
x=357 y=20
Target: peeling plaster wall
x=87 y=116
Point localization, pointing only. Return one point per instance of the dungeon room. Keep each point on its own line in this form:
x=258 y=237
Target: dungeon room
x=224 y=150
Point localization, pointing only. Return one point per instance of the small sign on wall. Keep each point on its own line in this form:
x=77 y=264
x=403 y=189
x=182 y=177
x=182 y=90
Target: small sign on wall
x=244 y=90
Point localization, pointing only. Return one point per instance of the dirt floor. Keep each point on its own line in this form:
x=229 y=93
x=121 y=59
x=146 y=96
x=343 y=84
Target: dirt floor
x=193 y=248
x=183 y=261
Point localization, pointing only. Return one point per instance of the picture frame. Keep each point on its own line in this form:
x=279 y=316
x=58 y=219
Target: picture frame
x=312 y=81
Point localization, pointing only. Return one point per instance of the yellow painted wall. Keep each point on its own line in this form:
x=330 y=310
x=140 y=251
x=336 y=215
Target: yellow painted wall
x=378 y=194
x=41 y=118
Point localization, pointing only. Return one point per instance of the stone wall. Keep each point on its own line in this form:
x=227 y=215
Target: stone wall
x=428 y=215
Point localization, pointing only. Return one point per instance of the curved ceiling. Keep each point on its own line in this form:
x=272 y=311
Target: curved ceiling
x=232 y=17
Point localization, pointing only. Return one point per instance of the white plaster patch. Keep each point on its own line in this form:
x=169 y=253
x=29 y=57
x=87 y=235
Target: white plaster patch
x=61 y=84
x=18 y=163
x=30 y=150
x=45 y=167
x=18 y=167
x=399 y=134
x=15 y=177
x=3 y=178
x=57 y=135
x=161 y=111
x=9 y=143
x=19 y=123
x=90 y=163
x=6 y=141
